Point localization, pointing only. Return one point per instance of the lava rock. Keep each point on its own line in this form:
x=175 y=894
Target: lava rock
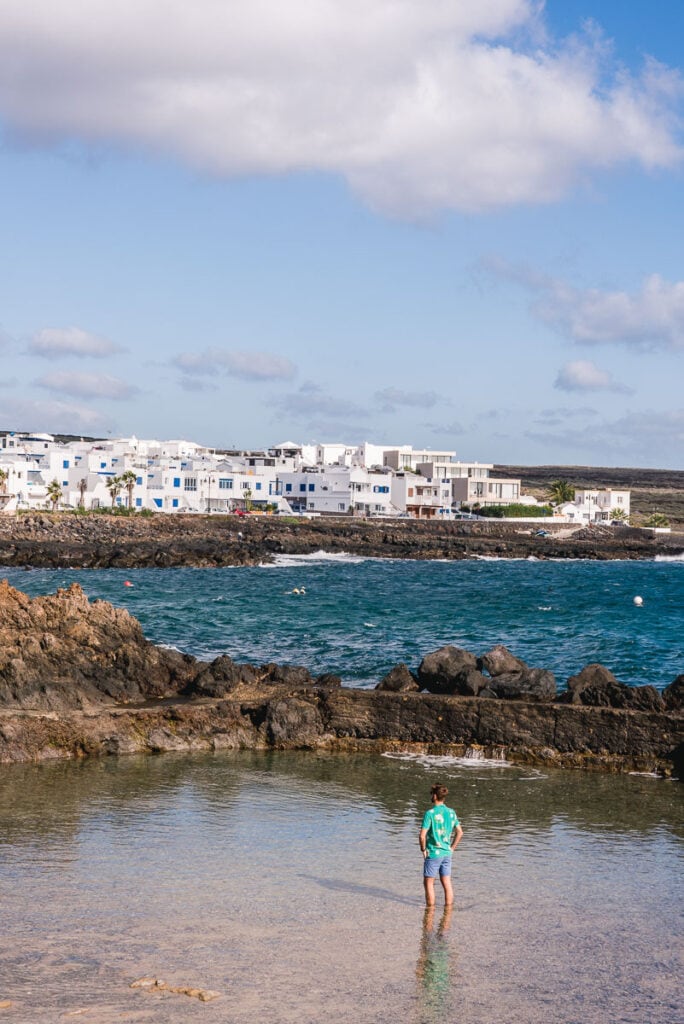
x=534 y=684
x=399 y=680
x=440 y=670
x=673 y=695
x=499 y=661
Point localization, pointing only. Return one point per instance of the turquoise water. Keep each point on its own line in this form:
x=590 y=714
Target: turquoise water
x=359 y=617
x=290 y=883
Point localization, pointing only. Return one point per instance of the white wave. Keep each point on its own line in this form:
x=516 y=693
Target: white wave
x=670 y=558
x=449 y=761
x=545 y=608
x=370 y=625
x=291 y=561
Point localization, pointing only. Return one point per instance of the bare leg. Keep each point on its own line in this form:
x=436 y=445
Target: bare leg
x=448 y=891
x=429 y=884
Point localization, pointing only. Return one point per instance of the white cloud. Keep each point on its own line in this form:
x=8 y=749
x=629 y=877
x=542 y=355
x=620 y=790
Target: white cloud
x=55 y=342
x=390 y=398
x=310 y=402
x=652 y=317
x=583 y=375
x=54 y=417
x=419 y=106
x=652 y=438
x=87 y=385
x=244 y=365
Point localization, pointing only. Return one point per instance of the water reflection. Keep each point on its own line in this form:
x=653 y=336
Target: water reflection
x=436 y=968
x=304 y=869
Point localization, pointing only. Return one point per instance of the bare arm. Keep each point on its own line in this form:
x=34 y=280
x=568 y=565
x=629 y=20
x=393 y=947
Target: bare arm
x=457 y=836
x=422 y=840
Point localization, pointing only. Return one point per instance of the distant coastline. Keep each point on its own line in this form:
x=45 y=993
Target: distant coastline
x=63 y=540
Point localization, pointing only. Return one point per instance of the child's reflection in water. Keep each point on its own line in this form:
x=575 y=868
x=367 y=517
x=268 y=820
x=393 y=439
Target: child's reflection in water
x=436 y=964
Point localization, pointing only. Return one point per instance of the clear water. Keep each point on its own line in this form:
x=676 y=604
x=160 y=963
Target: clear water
x=290 y=883
x=359 y=617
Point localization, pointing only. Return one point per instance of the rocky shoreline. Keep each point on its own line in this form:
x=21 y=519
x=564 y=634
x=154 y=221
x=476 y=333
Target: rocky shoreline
x=78 y=678
x=62 y=540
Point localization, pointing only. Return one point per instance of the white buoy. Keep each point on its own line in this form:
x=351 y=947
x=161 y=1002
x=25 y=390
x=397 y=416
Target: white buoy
x=638 y=601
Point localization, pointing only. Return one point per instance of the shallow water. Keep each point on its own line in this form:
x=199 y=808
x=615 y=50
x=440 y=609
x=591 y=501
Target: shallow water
x=291 y=884
x=359 y=617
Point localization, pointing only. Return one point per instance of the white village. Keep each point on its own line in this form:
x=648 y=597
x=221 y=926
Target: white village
x=39 y=471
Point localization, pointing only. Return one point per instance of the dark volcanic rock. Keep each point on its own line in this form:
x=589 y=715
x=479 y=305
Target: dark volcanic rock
x=440 y=671
x=673 y=695
x=399 y=680
x=534 y=684
x=221 y=677
x=596 y=686
x=328 y=679
x=499 y=661
x=64 y=652
x=294 y=676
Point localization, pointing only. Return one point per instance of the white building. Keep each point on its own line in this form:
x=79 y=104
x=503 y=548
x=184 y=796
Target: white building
x=598 y=506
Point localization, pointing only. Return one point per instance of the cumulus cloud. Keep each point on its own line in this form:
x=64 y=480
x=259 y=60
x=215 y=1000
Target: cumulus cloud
x=244 y=365
x=54 y=417
x=87 y=385
x=583 y=375
x=193 y=384
x=55 y=342
x=651 y=317
x=391 y=398
x=653 y=438
x=466 y=105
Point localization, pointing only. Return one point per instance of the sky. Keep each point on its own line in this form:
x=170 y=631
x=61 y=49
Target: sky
x=442 y=223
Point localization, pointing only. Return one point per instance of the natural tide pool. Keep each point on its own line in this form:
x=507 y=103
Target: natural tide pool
x=290 y=883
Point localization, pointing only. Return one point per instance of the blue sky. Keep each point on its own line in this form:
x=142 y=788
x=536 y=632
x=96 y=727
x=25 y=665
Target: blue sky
x=408 y=222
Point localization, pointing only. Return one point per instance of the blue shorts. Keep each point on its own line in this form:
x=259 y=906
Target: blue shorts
x=434 y=866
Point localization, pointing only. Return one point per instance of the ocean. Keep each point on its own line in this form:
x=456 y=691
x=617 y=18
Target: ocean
x=359 y=617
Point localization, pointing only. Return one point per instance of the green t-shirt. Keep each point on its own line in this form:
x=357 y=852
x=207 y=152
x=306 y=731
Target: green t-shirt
x=440 y=822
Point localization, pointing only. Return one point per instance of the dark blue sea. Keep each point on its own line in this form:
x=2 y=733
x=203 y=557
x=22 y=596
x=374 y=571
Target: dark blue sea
x=359 y=617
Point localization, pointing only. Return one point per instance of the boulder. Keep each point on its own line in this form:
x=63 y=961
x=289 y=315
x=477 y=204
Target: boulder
x=595 y=686
x=440 y=670
x=534 y=684
x=328 y=679
x=296 y=676
x=399 y=680
x=471 y=683
x=642 y=698
x=499 y=661
x=673 y=695
x=221 y=677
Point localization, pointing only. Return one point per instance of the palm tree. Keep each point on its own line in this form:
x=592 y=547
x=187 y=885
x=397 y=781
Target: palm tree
x=82 y=488
x=3 y=480
x=657 y=520
x=114 y=487
x=561 y=491
x=128 y=480
x=54 y=493
x=247 y=495
x=618 y=515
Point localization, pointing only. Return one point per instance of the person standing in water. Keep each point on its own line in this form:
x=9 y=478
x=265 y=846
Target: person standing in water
x=440 y=834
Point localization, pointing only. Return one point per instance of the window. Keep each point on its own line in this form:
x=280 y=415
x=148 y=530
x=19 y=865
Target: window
x=191 y=483
x=257 y=487
x=225 y=483
x=342 y=507
x=174 y=503
x=65 y=483
x=312 y=487
x=302 y=487
x=138 y=502
x=138 y=480
x=103 y=465
x=619 y=500
x=288 y=488
x=176 y=481
x=65 y=464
